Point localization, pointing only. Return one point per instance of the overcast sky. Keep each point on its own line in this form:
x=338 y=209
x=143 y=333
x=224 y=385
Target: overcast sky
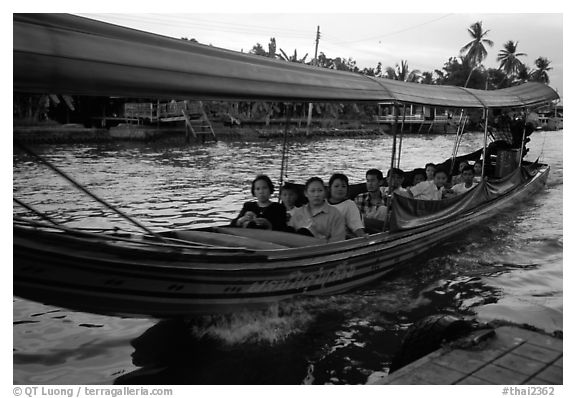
x=425 y=40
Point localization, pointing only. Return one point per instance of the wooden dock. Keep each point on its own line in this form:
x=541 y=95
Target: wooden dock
x=506 y=355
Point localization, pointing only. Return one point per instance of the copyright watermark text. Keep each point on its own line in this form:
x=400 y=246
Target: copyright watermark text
x=89 y=391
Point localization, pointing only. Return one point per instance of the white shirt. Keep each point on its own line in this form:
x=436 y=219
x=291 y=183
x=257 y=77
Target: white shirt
x=398 y=191
x=459 y=189
x=427 y=190
x=351 y=215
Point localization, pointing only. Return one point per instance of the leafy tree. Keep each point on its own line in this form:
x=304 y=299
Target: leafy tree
x=258 y=49
x=428 y=78
x=456 y=71
x=374 y=72
x=496 y=79
x=508 y=58
x=540 y=74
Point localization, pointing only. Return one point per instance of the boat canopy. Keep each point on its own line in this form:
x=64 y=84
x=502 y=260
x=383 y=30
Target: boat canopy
x=67 y=54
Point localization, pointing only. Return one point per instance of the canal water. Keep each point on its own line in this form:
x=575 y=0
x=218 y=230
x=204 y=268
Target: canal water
x=508 y=269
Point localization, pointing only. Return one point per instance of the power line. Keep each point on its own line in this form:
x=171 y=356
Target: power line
x=393 y=33
x=233 y=24
x=254 y=30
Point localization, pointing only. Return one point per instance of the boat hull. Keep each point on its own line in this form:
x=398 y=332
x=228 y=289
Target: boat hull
x=124 y=278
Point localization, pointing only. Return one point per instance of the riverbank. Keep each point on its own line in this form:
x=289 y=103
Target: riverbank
x=74 y=133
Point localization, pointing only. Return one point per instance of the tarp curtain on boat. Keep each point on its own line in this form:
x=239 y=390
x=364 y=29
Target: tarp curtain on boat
x=411 y=213
x=66 y=54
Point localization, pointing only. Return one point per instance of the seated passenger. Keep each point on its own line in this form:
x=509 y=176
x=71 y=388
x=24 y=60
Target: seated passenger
x=338 y=188
x=430 y=190
x=317 y=218
x=468 y=181
x=419 y=176
x=430 y=168
x=457 y=179
x=395 y=179
x=262 y=214
x=478 y=171
x=371 y=204
x=289 y=196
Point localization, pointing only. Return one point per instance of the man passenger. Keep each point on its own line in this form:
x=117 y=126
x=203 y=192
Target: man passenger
x=371 y=204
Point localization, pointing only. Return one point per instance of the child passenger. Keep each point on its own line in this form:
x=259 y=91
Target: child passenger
x=317 y=218
x=419 y=176
x=478 y=171
x=395 y=179
x=338 y=188
x=468 y=181
x=457 y=179
x=289 y=196
x=263 y=213
x=430 y=190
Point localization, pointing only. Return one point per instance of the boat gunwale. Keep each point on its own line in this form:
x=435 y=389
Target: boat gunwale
x=319 y=253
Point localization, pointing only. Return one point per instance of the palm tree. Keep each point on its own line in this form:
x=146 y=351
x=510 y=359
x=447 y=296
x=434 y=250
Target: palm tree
x=293 y=58
x=508 y=58
x=402 y=73
x=523 y=74
x=541 y=72
x=475 y=50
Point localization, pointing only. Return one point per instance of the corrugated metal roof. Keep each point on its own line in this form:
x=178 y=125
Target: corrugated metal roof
x=60 y=53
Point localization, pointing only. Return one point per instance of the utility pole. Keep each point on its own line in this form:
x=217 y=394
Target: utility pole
x=315 y=64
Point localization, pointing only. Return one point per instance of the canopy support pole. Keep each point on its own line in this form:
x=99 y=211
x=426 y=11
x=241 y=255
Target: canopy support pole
x=455 y=148
x=284 y=164
x=485 y=142
x=394 y=132
x=401 y=134
x=521 y=154
x=87 y=192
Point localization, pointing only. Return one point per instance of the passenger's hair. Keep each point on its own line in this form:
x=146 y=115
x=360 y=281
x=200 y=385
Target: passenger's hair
x=396 y=171
x=440 y=170
x=463 y=161
x=429 y=164
x=289 y=187
x=375 y=172
x=266 y=179
x=468 y=168
x=338 y=176
x=311 y=180
x=422 y=172
x=479 y=161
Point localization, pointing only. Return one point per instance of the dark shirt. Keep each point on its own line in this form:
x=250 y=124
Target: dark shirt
x=275 y=213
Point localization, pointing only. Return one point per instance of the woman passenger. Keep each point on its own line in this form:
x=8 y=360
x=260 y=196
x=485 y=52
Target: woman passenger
x=430 y=169
x=317 y=218
x=338 y=188
x=262 y=213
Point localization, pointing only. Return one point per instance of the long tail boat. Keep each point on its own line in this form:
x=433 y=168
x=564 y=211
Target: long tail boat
x=222 y=269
